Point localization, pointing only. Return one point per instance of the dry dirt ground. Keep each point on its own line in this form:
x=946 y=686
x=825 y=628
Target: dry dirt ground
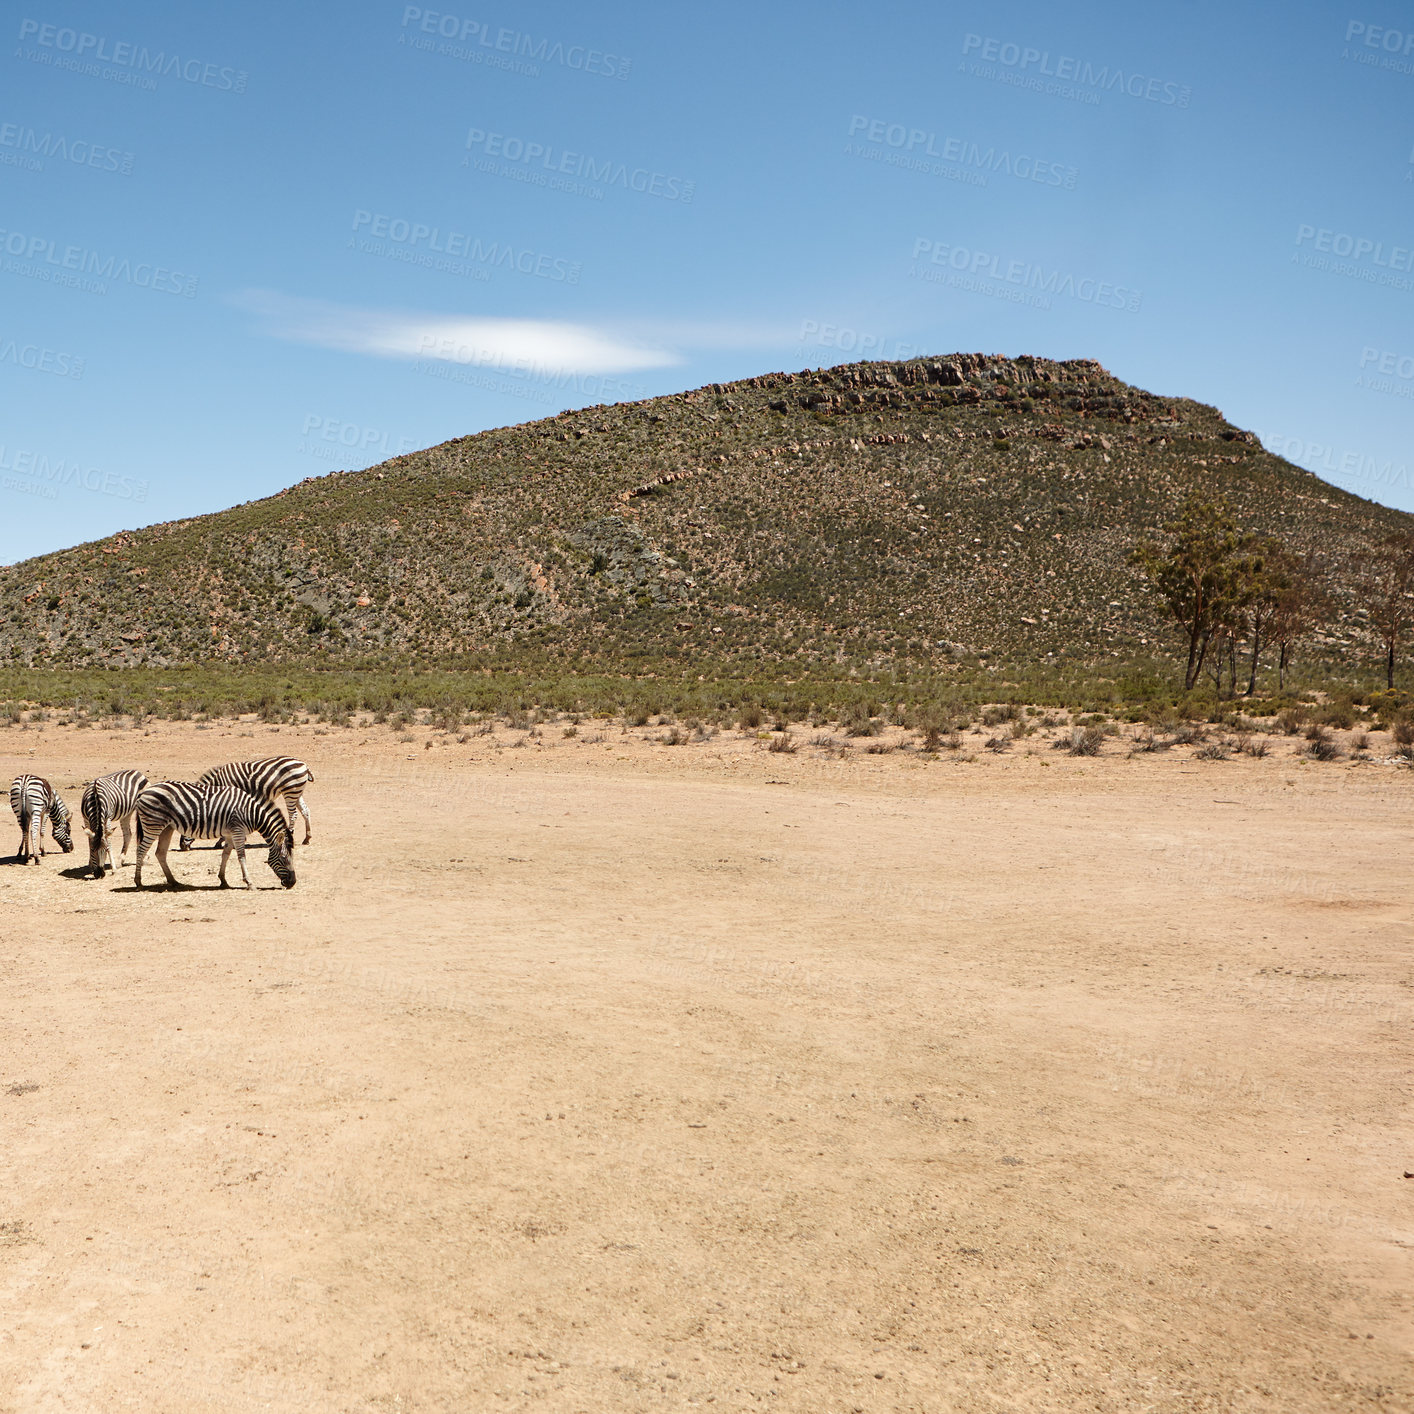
x=602 y=1075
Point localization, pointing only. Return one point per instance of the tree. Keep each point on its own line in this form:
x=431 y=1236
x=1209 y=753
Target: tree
x=1204 y=576
x=1385 y=582
x=1281 y=603
x=1298 y=606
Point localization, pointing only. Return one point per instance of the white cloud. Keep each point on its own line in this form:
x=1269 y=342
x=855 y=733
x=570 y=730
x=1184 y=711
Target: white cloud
x=543 y=344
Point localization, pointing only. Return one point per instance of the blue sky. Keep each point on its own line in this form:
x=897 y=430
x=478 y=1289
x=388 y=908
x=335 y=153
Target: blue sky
x=245 y=245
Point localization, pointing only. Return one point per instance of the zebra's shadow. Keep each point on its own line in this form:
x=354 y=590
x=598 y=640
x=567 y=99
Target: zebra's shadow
x=183 y=888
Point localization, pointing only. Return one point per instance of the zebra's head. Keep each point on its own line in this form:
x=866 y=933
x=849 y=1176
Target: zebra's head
x=61 y=827
x=280 y=861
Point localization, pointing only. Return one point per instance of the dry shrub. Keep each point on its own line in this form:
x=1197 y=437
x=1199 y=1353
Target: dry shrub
x=783 y=743
x=931 y=726
x=1322 y=745
x=1084 y=741
x=1212 y=751
x=860 y=723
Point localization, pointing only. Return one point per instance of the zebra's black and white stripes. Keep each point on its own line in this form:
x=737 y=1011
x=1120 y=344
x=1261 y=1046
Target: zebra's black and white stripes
x=36 y=803
x=273 y=778
x=107 y=803
x=224 y=814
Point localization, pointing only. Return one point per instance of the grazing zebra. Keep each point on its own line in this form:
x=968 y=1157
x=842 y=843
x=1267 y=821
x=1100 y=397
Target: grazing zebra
x=108 y=803
x=272 y=778
x=224 y=814
x=34 y=801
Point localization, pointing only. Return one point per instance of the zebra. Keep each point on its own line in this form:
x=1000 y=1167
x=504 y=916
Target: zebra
x=34 y=801
x=107 y=803
x=271 y=778
x=224 y=814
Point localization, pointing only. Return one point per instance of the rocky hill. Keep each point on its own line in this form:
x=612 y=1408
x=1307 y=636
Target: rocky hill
x=874 y=512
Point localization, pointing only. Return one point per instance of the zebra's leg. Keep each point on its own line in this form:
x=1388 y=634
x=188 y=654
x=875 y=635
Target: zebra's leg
x=36 y=838
x=225 y=857
x=239 y=836
x=303 y=810
x=164 y=841
x=144 y=843
x=127 y=823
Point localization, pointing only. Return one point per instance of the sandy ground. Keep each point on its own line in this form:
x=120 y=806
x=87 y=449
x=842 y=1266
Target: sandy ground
x=602 y=1075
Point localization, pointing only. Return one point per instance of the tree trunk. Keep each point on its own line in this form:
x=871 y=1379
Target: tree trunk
x=1281 y=667
x=1195 y=660
x=1389 y=661
x=1256 y=649
x=1198 y=655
